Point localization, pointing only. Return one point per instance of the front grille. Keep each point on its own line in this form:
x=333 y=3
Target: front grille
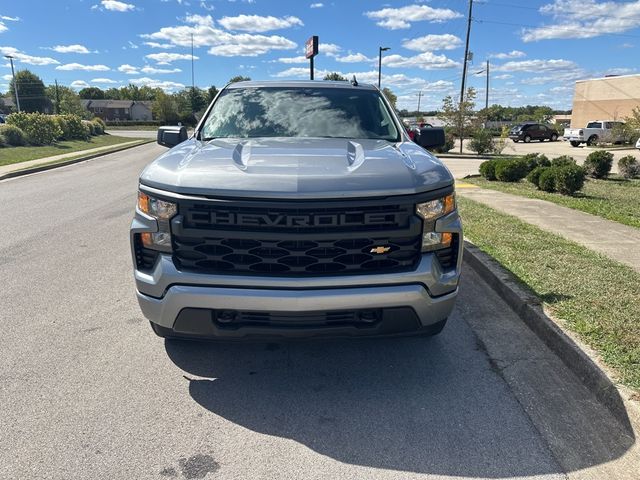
x=306 y=240
x=346 y=318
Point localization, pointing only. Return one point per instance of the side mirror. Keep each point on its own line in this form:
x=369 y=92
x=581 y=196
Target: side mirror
x=430 y=138
x=171 y=136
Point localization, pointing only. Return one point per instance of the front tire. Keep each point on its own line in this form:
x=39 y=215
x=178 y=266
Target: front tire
x=575 y=144
x=527 y=139
x=593 y=139
x=515 y=141
x=554 y=137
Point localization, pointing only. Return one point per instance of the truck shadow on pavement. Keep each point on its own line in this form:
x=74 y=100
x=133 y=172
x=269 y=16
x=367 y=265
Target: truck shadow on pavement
x=425 y=405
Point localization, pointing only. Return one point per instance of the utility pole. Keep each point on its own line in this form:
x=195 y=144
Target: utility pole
x=464 y=73
x=419 y=98
x=57 y=99
x=193 y=81
x=380 y=50
x=15 y=83
x=486 y=93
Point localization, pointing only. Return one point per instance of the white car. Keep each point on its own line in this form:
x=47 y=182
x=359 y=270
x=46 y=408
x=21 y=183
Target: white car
x=597 y=130
x=638 y=144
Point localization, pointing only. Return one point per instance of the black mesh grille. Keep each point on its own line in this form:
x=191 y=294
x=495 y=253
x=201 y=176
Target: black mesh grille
x=346 y=239
x=145 y=258
x=448 y=257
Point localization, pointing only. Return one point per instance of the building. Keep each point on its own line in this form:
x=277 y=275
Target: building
x=607 y=98
x=120 y=110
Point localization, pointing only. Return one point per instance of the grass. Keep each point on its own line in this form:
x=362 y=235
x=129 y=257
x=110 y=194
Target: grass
x=11 y=155
x=134 y=127
x=615 y=199
x=590 y=294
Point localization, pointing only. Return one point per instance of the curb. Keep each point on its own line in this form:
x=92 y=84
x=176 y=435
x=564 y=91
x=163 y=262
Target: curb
x=579 y=358
x=64 y=163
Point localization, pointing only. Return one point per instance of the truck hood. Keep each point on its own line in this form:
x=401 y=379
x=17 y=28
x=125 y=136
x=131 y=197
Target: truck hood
x=296 y=168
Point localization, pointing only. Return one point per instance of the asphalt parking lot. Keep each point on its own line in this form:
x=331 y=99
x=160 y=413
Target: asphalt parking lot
x=89 y=392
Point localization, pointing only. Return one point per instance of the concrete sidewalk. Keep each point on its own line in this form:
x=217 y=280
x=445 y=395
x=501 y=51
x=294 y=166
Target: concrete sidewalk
x=618 y=242
x=4 y=169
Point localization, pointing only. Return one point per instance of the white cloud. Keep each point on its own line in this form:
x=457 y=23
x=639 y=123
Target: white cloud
x=75 y=48
x=396 y=18
x=221 y=42
x=79 y=84
x=165 y=58
x=104 y=80
x=425 y=61
x=3 y=27
x=354 y=58
x=300 y=59
x=257 y=23
x=507 y=55
x=316 y=5
x=128 y=69
x=9 y=19
x=164 y=46
x=28 y=59
x=79 y=66
x=116 y=6
x=585 y=19
x=164 y=85
x=299 y=72
x=7 y=77
x=153 y=71
x=429 y=43
x=536 y=66
x=503 y=76
x=329 y=49
x=206 y=6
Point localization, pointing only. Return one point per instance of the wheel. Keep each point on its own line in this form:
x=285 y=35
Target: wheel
x=554 y=137
x=575 y=144
x=515 y=141
x=527 y=139
x=592 y=140
x=162 y=332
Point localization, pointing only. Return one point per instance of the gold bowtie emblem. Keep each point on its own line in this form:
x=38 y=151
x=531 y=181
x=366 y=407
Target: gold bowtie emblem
x=380 y=250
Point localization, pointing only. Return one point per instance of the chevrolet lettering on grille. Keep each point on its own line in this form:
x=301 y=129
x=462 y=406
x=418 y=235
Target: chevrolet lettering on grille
x=286 y=220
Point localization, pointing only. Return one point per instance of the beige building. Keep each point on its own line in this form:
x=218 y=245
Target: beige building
x=608 y=98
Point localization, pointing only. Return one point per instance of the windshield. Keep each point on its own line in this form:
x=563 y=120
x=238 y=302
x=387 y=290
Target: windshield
x=299 y=112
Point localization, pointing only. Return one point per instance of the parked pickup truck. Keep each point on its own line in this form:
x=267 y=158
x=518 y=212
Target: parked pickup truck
x=598 y=130
x=297 y=209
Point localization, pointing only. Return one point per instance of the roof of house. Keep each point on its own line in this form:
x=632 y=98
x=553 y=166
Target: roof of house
x=109 y=104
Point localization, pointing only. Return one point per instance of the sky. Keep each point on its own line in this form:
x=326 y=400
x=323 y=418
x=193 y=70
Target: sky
x=536 y=48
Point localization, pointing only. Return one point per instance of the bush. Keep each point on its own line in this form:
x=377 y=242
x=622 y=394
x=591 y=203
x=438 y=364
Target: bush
x=534 y=175
x=598 y=164
x=535 y=160
x=488 y=169
x=90 y=126
x=511 y=170
x=482 y=142
x=12 y=135
x=97 y=127
x=100 y=121
x=63 y=125
x=77 y=129
x=39 y=129
x=547 y=179
x=569 y=179
x=563 y=161
x=629 y=166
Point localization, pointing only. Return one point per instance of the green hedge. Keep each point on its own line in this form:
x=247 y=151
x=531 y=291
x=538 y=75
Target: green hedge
x=12 y=135
x=39 y=129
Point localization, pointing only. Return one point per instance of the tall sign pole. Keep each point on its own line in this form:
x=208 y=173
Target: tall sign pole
x=310 y=51
x=464 y=73
x=486 y=97
x=15 y=83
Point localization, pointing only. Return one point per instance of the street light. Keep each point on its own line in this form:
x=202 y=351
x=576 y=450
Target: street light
x=380 y=50
x=15 y=84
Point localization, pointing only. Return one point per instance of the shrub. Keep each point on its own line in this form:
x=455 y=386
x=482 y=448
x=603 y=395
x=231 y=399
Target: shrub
x=547 y=179
x=100 y=121
x=562 y=161
x=534 y=175
x=629 y=166
x=598 y=163
x=63 y=125
x=569 y=179
x=39 y=129
x=97 y=127
x=482 y=142
x=12 y=135
x=535 y=160
x=488 y=169
x=77 y=129
x=90 y=126
x=511 y=170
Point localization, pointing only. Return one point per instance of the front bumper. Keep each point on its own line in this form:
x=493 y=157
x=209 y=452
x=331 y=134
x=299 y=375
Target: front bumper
x=404 y=301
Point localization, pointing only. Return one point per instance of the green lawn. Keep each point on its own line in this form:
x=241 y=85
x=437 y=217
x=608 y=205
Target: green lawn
x=587 y=292
x=134 y=127
x=11 y=155
x=615 y=199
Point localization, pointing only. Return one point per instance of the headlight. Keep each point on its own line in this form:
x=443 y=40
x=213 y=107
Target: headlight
x=430 y=212
x=163 y=212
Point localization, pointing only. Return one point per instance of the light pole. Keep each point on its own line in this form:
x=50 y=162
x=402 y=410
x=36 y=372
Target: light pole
x=486 y=96
x=15 y=84
x=380 y=50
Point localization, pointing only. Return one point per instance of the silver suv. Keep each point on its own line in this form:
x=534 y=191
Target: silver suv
x=296 y=209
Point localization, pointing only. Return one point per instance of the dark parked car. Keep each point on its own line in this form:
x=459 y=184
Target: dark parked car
x=533 y=131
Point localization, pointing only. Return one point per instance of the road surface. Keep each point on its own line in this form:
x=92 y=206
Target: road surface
x=88 y=392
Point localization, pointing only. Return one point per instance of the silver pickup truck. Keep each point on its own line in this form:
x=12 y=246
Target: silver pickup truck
x=594 y=132
x=296 y=209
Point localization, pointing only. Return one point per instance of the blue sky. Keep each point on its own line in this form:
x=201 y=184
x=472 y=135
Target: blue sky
x=537 y=48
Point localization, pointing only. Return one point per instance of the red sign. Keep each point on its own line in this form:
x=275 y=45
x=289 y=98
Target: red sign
x=311 y=47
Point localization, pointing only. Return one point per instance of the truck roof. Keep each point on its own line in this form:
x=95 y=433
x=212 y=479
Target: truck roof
x=300 y=84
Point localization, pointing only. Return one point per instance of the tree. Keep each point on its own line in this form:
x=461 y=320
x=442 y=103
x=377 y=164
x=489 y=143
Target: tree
x=391 y=97
x=197 y=99
x=212 y=91
x=459 y=117
x=65 y=101
x=336 y=77
x=31 y=92
x=165 y=109
x=112 y=94
x=239 y=78
x=91 y=93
